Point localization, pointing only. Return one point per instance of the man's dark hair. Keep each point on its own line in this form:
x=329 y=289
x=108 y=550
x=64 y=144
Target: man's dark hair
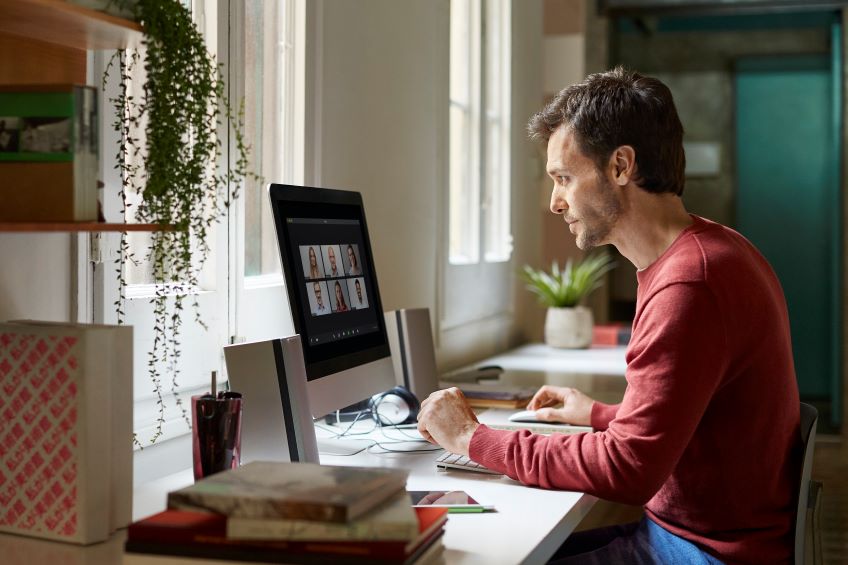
x=621 y=107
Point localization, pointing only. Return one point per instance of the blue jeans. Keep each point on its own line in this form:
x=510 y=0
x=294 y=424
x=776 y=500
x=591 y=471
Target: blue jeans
x=642 y=543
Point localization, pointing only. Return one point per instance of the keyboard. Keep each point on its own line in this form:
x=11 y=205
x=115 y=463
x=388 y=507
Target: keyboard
x=448 y=460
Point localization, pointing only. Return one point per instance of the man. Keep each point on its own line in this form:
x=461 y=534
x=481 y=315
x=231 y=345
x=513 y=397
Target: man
x=359 y=300
x=331 y=255
x=320 y=309
x=707 y=436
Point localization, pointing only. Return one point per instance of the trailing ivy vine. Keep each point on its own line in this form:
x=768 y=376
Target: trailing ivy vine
x=174 y=167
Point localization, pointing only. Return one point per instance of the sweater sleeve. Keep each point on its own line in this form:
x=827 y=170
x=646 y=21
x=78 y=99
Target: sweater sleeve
x=602 y=414
x=676 y=360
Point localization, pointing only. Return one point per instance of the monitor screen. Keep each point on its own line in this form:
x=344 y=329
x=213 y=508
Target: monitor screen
x=330 y=277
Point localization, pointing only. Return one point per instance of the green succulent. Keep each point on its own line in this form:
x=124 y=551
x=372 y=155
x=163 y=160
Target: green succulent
x=567 y=287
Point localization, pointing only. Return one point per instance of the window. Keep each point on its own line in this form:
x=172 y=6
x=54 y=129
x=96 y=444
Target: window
x=267 y=76
x=478 y=251
x=479 y=199
x=267 y=71
x=240 y=292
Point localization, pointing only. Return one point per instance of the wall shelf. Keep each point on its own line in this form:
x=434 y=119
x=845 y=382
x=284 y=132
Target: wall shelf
x=35 y=227
x=62 y=23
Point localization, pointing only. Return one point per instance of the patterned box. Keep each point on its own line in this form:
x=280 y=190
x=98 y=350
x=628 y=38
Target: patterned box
x=62 y=473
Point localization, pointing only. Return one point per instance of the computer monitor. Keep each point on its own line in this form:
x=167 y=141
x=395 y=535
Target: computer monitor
x=333 y=294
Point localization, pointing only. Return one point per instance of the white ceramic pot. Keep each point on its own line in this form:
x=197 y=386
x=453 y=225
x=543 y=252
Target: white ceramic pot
x=569 y=328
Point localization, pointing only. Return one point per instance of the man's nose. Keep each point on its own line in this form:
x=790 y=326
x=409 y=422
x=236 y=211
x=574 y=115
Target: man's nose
x=558 y=204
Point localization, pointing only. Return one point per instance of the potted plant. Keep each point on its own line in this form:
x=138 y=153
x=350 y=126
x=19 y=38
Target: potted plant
x=172 y=132
x=568 y=324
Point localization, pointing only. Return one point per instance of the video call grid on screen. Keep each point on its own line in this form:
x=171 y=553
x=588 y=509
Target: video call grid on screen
x=333 y=277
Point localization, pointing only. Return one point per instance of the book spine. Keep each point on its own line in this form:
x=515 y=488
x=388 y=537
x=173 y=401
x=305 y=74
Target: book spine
x=251 y=528
x=241 y=507
x=351 y=554
x=373 y=548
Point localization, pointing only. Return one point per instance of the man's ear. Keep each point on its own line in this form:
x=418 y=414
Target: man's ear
x=622 y=165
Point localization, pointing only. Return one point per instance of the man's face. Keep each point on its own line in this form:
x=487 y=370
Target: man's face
x=317 y=290
x=332 y=255
x=582 y=194
x=358 y=291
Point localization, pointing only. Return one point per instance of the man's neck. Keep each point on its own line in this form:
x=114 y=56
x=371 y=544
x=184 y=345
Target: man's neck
x=648 y=225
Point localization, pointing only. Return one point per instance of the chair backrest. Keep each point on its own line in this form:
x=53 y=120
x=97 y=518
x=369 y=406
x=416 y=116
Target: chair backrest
x=809 y=417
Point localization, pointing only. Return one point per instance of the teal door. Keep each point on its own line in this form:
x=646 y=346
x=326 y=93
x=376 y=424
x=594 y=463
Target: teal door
x=788 y=203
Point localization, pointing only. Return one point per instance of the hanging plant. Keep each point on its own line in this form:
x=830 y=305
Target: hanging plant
x=169 y=156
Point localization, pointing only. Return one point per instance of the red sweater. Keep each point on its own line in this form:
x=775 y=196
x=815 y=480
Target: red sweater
x=707 y=436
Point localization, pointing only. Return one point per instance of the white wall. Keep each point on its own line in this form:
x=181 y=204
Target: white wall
x=381 y=91
x=35 y=277
x=383 y=88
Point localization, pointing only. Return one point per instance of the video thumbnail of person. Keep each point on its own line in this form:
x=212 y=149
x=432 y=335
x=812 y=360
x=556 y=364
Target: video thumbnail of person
x=319 y=297
x=358 y=296
x=332 y=261
x=310 y=257
x=339 y=298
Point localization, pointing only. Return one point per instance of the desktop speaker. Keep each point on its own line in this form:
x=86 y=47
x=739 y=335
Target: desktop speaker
x=394 y=407
x=413 y=352
x=276 y=420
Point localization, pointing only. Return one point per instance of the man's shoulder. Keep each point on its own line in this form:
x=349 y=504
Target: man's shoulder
x=724 y=250
x=708 y=253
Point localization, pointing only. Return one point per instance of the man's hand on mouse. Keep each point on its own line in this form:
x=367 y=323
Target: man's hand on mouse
x=447 y=420
x=576 y=407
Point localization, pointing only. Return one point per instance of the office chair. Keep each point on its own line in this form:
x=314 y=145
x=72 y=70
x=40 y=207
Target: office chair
x=809 y=495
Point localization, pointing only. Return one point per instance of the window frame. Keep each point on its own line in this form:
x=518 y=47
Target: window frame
x=490 y=274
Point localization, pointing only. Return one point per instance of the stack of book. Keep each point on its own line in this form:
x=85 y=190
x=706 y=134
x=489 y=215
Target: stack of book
x=291 y=513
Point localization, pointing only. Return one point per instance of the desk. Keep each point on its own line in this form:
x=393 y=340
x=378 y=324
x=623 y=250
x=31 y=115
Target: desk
x=529 y=524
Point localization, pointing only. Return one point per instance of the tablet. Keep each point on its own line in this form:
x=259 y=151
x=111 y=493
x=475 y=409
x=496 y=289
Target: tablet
x=453 y=500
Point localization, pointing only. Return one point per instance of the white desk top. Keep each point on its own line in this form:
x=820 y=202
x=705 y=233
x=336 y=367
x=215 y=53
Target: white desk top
x=542 y=358
x=528 y=526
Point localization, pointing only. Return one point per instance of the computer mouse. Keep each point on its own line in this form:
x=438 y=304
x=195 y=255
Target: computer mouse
x=524 y=416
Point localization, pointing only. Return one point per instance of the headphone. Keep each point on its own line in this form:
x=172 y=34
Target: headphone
x=394 y=407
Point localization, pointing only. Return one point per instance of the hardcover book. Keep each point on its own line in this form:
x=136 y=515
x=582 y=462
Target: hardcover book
x=198 y=534
x=299 y=491
x=427 y=554
x=65 y=472
x=394 y=520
